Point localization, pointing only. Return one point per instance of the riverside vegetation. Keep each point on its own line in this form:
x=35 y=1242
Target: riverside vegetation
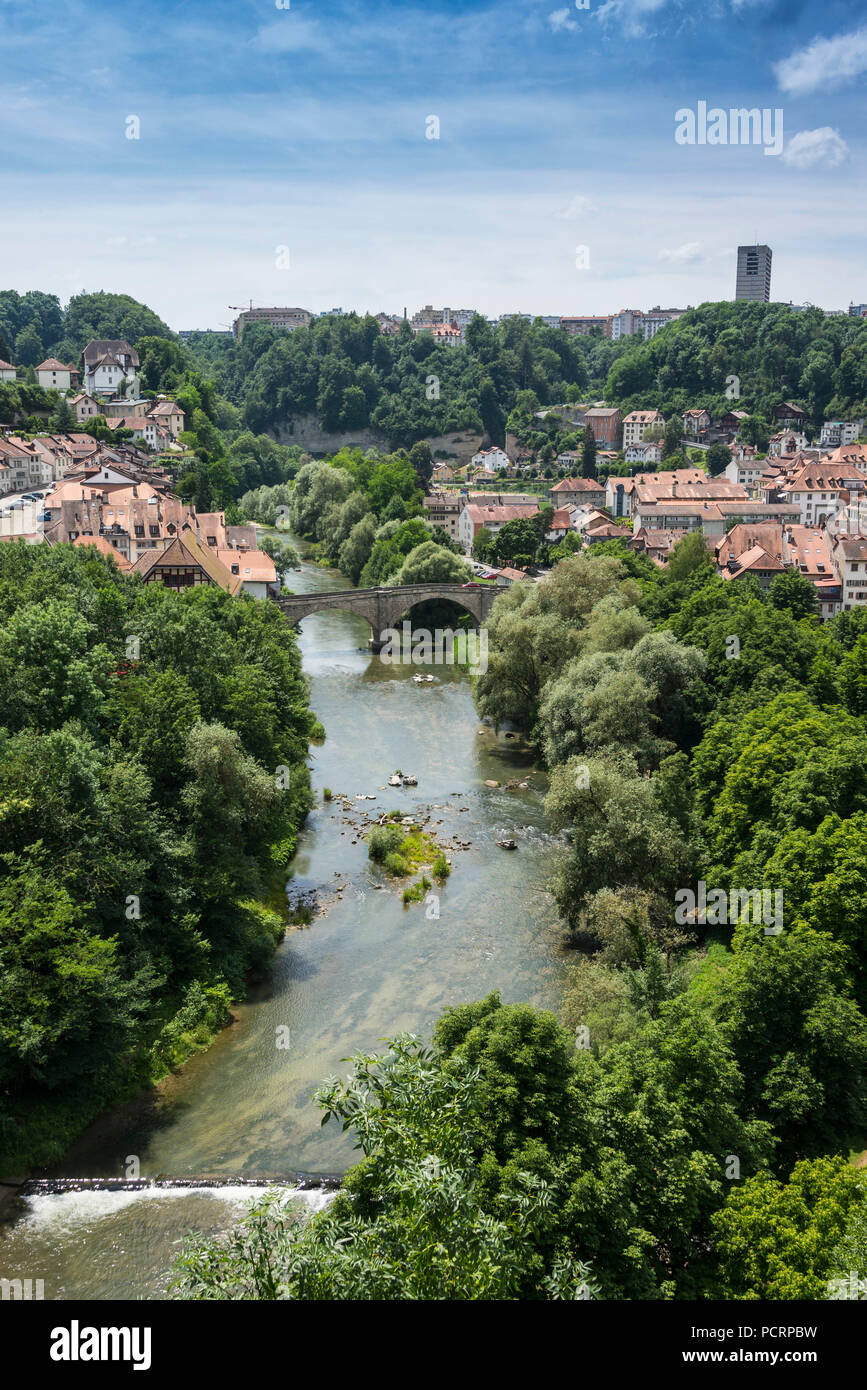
x=144 y=836
x=698 y=1141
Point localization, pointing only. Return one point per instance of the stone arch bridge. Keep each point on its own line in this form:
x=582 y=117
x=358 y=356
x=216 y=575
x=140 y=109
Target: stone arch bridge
x=383 y=608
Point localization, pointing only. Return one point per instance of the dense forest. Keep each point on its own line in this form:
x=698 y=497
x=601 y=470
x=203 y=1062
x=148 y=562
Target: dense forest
x=697 y=1141
x=152 y=782
x=349 y=376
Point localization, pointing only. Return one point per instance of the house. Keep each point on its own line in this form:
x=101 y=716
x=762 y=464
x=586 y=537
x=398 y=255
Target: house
x=184 y=563
x=125 y=406
x=493 y=460
x=755 y=562
x=562 y=522
x=54 y=375
x=746 y=535
x=709 y=516
x=789 y=414
x=637 y=422
x=657 y=545
x=168 y=416
x=7 y=371
x=443 y=510
x=474 y=518
x=618 y=495
x=110 y=366
x=508 y=576
x=17 y=459
x=604 y=423
x=850 y=565
x=577 y=490
x=745 y=473
x=809 y=551
x=603 y=529
x=787 y=442
x=442 y=473
x=85 y=406
x=818 y=489
x=620 y=491
x=580 y=326
x=834 y=432
x=447 y=334
x=730 y=423
x=647 y=451
x=696 y=423
x=105 y=548
x=256 y=570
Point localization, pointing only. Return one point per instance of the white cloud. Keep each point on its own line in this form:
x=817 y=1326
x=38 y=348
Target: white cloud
x=823 y=146
x=631 y=14
x=561 y=19
x=824 y=61
x=681 y=255
x=580 y=206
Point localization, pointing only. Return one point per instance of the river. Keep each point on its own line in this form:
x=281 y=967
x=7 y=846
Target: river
x=365 y=968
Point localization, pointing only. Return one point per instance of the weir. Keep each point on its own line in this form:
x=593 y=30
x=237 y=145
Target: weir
x=301 y=1182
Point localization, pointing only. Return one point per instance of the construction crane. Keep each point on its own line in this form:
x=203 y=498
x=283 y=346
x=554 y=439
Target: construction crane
x=242 y=308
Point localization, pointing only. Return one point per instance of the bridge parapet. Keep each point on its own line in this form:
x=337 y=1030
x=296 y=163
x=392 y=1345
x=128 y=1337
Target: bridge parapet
x=383 y=607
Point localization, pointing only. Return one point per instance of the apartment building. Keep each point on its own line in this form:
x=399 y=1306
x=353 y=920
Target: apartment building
x=637 y=423
x=605 y=424
x=443 y=510
x=285 y=318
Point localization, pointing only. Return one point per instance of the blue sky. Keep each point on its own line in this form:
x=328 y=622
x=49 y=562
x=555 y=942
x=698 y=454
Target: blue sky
x=305 y=128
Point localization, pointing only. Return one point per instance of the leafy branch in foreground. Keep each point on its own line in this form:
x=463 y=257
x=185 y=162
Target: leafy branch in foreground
x=414 y=1222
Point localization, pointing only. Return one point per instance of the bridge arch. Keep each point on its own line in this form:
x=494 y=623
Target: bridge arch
x=384 y=607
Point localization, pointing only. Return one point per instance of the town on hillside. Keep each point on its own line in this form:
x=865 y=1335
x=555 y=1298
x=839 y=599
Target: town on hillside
x=796 y=507
x=118 y=497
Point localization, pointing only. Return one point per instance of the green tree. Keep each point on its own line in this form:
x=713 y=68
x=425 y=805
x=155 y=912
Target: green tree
x=28 y=347
x=412 y=1221
x=430 y=563
x=775 y=1240
x=795 y=593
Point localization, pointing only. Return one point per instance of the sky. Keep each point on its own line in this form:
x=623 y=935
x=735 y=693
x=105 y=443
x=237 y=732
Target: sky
x=369 y=155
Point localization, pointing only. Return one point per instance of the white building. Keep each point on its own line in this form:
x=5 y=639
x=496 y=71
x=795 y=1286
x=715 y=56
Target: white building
x=108 y=364
x=645 y=451
x=745 y=472
x=637 y=423
x=7 y=371
x=837 y=432
x=496 y=460
x=54 y=375
x=787 y=442
x=850 y=563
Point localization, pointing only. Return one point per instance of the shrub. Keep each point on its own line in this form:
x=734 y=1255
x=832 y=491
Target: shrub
x=383 y=841
x=441 y=868
x=326 y=793
x=397 y=865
